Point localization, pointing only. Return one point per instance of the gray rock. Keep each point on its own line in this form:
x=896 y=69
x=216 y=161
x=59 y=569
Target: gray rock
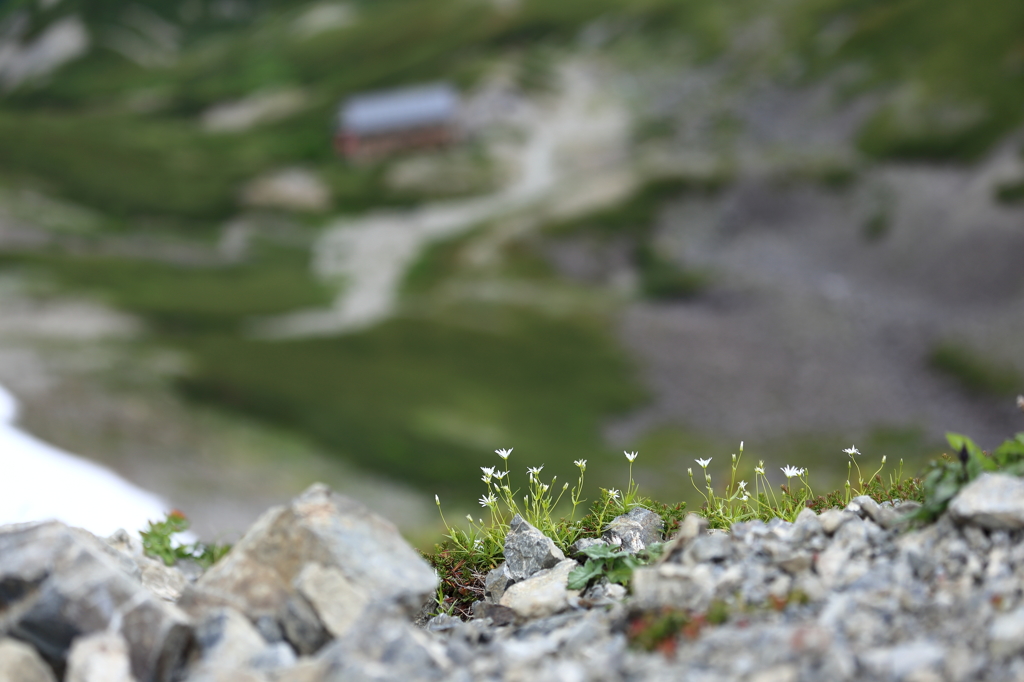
x=384 y=649
x=226 y=639
x=708 y=548
x=20 y=663
x=99 y=657
x=301 y=565
x=60 y=584
x=993 y=501
x=496 y=582
x=543 y=593
x=528 y=551
x=634 y=531
x=576 y=548
x=832 y=519
x=863 y=506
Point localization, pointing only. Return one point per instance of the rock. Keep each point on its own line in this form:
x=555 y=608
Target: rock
x=528 y=551
x=993 y=501
x=296 y=189
x=543 y=593
x=832 y=519
x=298 y=568
x=20 y=663
x=708 y=548
x=384 y=649
x=99 y=657
x=496 y=582
x=576 y=548
x=59 y=584
x=635 y=530
x=498 y=614
x=336 y=600
x=226 y=639
x=1006 y=634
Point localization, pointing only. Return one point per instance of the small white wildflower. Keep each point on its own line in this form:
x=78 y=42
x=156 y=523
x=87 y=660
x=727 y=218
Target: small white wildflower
x=437 y=500
x=883 y=459
x=703 y=462
x=759 y=469
x=532 y=471
x=565 y=487
x=488 y=471
x=852 y=450
x=487 y=500
x=470 y=517
x=630 y=455
x=742 y=485
x=504 y=453
x=500 y=474
x=613 y=493
x=790 y=471
x=581 y=463
x=544 y=486
x=745 y=497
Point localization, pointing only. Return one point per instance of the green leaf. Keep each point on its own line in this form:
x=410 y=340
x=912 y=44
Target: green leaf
x=601 y=551
x=580 y=576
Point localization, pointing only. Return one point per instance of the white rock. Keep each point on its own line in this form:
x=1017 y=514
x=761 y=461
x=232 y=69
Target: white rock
x=99 y=657
x=993 y=501
x=543 y=594
x=20 y=663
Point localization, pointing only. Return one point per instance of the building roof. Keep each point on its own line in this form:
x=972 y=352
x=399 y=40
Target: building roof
x=392 y=110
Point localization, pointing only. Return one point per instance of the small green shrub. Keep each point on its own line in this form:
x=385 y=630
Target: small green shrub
x=157 y=543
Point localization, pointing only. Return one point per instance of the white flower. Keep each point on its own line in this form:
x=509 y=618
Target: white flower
x=488 y=471
x=532 y=471
x=703 y=462
x=581 y=463
x=500 y=474
x=630 y=455
x=759 y=469
x=742 y=485
x=504 y=453
x=544 y=486
x=437 y=500
x=852 y=450
x=790 y=472
x=689 y=470
x=745 y=497
x=614 y=494
x=883 y=459
x=487 y=500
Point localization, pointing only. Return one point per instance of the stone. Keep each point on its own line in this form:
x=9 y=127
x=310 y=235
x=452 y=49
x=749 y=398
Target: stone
x=496 y=582
x=528 y=551
x=20 y=663
x=99 y=657
x=59 y=584
x=384 y=649
x=358 y=556
x=863 y=506
x=543 y=593
x=576 y=548
x=708 y=548
x=336 y=600
x=832 y=519
x=897 y=662
x=1006 y=634
x=634 y=531
x=992 y=501
x=226 y=639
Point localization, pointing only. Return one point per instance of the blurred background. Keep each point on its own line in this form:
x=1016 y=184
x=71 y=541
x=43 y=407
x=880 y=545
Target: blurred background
x=246 y=245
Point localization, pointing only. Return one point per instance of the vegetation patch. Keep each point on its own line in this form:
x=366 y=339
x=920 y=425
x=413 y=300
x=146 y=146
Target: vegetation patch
x=975 y=373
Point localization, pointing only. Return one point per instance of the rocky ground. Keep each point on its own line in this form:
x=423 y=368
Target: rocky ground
x=323 y=589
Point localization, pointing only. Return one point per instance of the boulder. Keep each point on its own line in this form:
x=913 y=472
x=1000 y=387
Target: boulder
x=383 y=648
x=992 y=501
x=60 y=584
x=528 y=551
x=20 y=663
x=306 y=571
